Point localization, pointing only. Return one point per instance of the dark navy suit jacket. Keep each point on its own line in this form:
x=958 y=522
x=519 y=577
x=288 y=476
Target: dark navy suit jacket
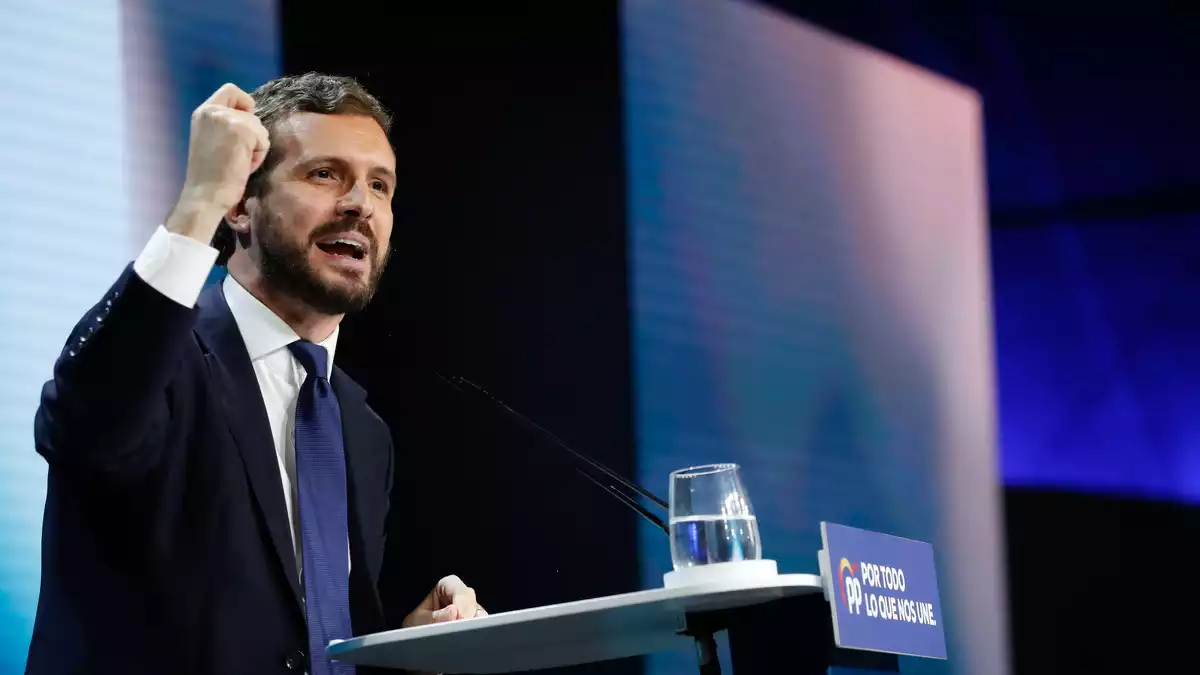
x=165 y=545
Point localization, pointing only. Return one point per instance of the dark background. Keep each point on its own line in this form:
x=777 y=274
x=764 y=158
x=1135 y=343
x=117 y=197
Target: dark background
x=510 y=269
x=525 y=297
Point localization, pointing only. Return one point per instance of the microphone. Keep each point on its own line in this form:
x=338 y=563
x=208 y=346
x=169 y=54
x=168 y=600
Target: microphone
x=462 y=384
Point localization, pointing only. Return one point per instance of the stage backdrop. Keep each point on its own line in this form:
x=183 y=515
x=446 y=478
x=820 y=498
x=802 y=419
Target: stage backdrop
x=810 y=295
x=93 y=141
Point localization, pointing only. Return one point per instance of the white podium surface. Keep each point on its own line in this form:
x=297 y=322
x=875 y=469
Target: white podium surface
x=571 y=633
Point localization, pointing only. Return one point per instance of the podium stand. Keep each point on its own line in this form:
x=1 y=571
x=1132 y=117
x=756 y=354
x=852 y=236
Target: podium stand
x=778 y=624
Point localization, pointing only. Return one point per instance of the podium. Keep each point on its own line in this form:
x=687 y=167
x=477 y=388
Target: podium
x=776 y=624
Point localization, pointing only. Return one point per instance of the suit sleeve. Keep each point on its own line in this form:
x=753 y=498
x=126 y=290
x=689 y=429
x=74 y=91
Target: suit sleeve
x=175 y=265
x=106 y=407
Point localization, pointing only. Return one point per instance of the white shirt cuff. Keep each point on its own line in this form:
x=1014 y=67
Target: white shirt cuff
x=175 y=265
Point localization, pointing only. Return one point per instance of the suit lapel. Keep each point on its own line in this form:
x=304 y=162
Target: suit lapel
x=238 y=390
x=359 y=446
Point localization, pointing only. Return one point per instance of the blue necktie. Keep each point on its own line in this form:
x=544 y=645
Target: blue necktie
x=321 y=480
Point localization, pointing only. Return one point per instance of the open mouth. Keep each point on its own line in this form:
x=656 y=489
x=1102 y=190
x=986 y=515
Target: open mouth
x=346 y=248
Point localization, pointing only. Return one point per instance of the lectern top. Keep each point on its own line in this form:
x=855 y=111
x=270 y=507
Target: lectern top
x=584 y=631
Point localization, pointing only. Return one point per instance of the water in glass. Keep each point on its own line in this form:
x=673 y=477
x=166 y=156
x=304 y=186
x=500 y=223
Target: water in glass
x=701 y=540
x=711 y=518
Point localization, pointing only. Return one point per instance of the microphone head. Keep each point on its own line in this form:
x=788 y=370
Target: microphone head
x=464 y=382
x=450 y=381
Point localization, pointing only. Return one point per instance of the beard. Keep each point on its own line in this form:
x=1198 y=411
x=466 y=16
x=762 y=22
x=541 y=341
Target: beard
x=287 y=268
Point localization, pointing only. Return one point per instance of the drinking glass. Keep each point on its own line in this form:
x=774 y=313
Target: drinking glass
x=711 y=519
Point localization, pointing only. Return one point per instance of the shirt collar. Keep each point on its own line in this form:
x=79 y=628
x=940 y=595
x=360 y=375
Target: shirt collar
x=262 y=329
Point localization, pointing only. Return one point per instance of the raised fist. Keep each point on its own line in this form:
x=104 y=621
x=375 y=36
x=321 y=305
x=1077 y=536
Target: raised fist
x=227 y=144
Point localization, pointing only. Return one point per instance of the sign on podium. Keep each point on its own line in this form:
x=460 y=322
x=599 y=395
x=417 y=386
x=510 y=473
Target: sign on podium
x=883 y=592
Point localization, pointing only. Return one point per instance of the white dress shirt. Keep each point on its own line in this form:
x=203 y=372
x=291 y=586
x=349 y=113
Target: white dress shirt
x=177 y=266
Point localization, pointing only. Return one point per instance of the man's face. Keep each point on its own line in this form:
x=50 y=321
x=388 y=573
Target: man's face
x=321 y=232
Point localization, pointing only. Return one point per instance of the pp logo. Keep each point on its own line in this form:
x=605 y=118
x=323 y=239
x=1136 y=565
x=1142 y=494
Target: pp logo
x=850 y=587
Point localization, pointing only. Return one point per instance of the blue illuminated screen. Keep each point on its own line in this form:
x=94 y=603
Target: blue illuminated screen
x=810 y=296
x=93 y=137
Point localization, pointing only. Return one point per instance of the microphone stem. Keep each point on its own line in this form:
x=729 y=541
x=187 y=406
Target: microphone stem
x=460 y=383
x=632 y=503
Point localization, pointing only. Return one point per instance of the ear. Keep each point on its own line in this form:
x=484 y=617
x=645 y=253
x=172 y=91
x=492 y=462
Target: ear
x=238 y=217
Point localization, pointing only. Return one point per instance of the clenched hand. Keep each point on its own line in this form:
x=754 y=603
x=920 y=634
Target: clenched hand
x=450 y=599
x=227 y=143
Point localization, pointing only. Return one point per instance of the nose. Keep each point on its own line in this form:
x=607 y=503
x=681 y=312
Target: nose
x=356 y=203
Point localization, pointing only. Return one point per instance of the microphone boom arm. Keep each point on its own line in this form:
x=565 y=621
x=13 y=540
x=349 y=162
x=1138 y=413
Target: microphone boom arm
x=629 y=501
x=460 y=382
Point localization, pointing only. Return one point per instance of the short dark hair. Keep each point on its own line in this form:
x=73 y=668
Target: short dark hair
x=283 y=97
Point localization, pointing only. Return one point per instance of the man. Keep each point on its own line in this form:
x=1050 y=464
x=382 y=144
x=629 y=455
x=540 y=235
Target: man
x=217 y=488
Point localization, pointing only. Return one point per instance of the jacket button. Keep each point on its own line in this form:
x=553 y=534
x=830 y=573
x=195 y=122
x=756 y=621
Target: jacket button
x=296 y=661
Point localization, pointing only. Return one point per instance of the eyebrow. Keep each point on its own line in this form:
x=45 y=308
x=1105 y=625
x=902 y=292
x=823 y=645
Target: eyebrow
x=331 y=159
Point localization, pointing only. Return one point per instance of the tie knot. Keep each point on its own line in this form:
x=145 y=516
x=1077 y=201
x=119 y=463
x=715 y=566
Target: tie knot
x=313 y=357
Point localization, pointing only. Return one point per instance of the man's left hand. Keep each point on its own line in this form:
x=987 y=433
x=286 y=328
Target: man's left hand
x=450 y=600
